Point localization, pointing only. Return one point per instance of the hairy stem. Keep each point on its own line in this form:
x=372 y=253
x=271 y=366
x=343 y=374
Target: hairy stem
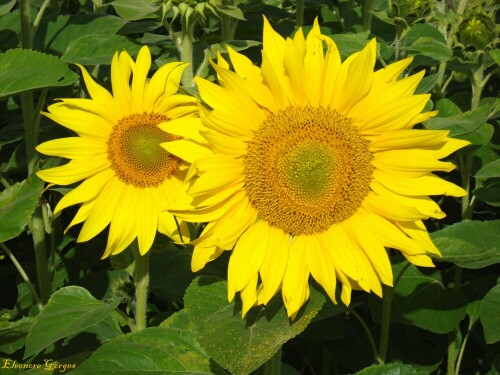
x=299 y=16
x=141 y=276
x=367 y=15
x=386 y=323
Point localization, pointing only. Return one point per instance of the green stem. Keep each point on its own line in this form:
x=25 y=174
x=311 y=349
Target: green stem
x=31 y=140
x=367 y=15
x=368 y=334
x=386 y=323
x=37 y=229
x=273 y=365
x=39 y=15
x=477 y=82
x=299 y=15
x=453 y=343
x=462 y=349
x=23 y=274
x=186 y=51
x=141 y=276
x=226 y=26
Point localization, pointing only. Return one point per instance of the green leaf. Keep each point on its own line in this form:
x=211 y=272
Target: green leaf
x=231 y=11
x=447 y=108
x=430 y=47
x=473 y=311
x=13 y=334
x=170 y=272
x=17 y=204
x=157 y=350
x=24 y=70
x=489 y=192
x=70 y=310
x=470 y=244
x=422 y=301
x=6 y=6
x=427 y=84
x=350 y=43
x=489 y=315
x=242 y=345
x=489 y=170
x=391 y=369
x=133 y=10
x=463 y=125
x=65 y=30
x=98 y=49
x=495 y=55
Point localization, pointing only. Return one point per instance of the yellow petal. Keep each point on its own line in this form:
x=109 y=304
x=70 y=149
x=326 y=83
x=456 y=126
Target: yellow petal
x=120 y=82
x=187 y=150
x=391 y=209
x=102 y=211
x=274 y=265
x=249 y=295
x=73 y=147
x=407 y=138
x=185 y=127
x=424 y=185
x=75 y=170
x=247 y=257
x=203 y=255
x=157 y=84
x=142 y=65
x=321 y=264
x=168 y=226
x=147 y=220
x=86 y=191
x=295 y=288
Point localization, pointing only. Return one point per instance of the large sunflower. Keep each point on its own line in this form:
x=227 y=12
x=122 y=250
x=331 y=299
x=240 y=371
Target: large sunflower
x=129 y=179
x=313 y=169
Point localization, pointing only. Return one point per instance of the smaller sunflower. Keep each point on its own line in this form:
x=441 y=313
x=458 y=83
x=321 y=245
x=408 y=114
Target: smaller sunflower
x=128 y=178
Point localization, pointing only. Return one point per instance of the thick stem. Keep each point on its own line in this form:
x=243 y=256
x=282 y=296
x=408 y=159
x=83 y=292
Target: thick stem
x=226 y=26
x=367 y=15
x=141 y=276
x=299 y=15
x=186 y=51
x=273 y=365
x=477 y=82
x=31 y=140
x=23 y=274
x=462 y=350
x=386 y=323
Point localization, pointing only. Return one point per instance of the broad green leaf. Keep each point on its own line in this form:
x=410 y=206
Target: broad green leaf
x=231 y=11
x=24 y=70
x=157 y=350
x=427 y=84
x=70 y=310
x=242 y=345
x=350 y=43
x=65 y=30
x=133 y=10
x=13 y=334
x=422 y=301
x=170 y=272
x=463 y=125
x=391 y=369
x=447 y=108
x=98 y=49
x=495 y=55
x=489 y=192
x=17 y=204
x=6 y=6
x=489 y=170
x=470 y=244
x=473 y=311
x=423 y=30
x=430 y=47
x=10 y=26
x=490 y=318
x=384 y=17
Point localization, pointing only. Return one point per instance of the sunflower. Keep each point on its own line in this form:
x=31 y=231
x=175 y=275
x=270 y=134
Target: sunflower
x=312 y=169
x=129 y=179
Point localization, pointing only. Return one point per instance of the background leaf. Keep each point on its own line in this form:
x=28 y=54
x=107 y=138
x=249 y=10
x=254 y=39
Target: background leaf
x=70 y=310
x=489 y=314
x=157 y=350
x=24 y=70
x=391 y=369
x=470 y=244
x=17 y=204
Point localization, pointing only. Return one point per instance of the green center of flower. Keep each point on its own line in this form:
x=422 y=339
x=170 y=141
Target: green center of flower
x=306 y=169
x=135 y=153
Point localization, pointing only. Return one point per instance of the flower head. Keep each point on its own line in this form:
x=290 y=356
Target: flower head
x=128 y=178
x=312 y=168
